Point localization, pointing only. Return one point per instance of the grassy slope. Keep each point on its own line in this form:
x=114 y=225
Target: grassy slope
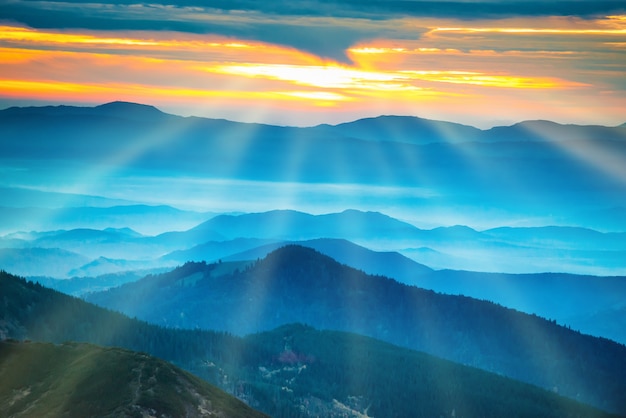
x=83 y=380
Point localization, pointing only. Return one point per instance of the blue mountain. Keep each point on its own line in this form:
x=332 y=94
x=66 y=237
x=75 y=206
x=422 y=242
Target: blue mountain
x=404 y=129
x=528 y=168
x=387 y=263
x=294 y=225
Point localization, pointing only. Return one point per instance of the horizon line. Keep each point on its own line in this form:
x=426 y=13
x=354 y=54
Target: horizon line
x=379 y=116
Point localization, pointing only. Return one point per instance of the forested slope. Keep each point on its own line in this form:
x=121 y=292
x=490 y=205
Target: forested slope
x=297 y=284
x=292 y=371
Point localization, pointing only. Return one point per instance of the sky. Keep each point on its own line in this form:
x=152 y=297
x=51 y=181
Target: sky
x=306 y=62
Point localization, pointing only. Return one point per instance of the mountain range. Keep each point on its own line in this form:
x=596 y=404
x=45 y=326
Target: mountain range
x=90 y=251
x=528 y=169
x=298 y=284
x=294 y=370
x=118 y=255
x=40 y=213
x=311 y=271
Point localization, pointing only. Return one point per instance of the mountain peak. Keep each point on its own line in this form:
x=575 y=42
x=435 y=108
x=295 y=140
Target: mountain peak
x=129 y=110
x=406 y=129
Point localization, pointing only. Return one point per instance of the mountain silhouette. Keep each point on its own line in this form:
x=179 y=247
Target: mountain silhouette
x=290 y=224
x=127 y=110
x=406 y=129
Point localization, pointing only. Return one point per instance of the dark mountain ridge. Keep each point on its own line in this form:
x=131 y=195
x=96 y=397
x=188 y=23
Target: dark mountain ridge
x=408 y=129
x=386 y=263
x=292 y=371
x=117 y=109
x=367 y=372
x=299 y=284
x=530 y=293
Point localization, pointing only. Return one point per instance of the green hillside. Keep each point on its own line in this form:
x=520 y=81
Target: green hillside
x=83 y=380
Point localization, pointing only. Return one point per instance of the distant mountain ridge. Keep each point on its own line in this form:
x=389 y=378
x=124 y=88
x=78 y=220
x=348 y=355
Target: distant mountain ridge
x=556 y=249
x=290 y=224
x=408 y=129
x=383 y=127
x=496 y=250
x=446 y=165
x=541 y=130
x=39 y=214
x=116 y=109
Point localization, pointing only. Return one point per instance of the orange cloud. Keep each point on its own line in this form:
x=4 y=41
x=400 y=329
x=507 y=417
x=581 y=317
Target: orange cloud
x=492 y=80
x=533 y=31
x=336 y=77
x=95 y=93
x=443 y=68
x=167 y=45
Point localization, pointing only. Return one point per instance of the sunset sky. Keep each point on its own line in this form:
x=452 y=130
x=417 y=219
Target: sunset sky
x=306 y=62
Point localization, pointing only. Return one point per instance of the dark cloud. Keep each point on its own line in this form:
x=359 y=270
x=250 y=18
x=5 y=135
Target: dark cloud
x=485 y=9
x=323 y=27
x=326 y=37
x=386 y=9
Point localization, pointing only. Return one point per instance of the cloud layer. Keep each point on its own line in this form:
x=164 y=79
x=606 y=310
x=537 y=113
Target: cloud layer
x=325 y=28
x=292 y=62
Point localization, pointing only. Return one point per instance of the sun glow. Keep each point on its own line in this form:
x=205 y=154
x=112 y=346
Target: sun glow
x=327 y=76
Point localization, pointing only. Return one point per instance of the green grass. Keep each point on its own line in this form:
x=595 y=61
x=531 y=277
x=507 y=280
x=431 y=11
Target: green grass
x=83 y=380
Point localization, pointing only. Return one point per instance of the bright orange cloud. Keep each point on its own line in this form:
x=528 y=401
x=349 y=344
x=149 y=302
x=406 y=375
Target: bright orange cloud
x=336 y=77
x=176 y=46
x=492 y=80
x=322 y=76
x=45 y=89
x=533 y=31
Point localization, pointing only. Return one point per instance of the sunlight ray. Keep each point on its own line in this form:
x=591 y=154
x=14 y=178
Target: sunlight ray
x=608 y=158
